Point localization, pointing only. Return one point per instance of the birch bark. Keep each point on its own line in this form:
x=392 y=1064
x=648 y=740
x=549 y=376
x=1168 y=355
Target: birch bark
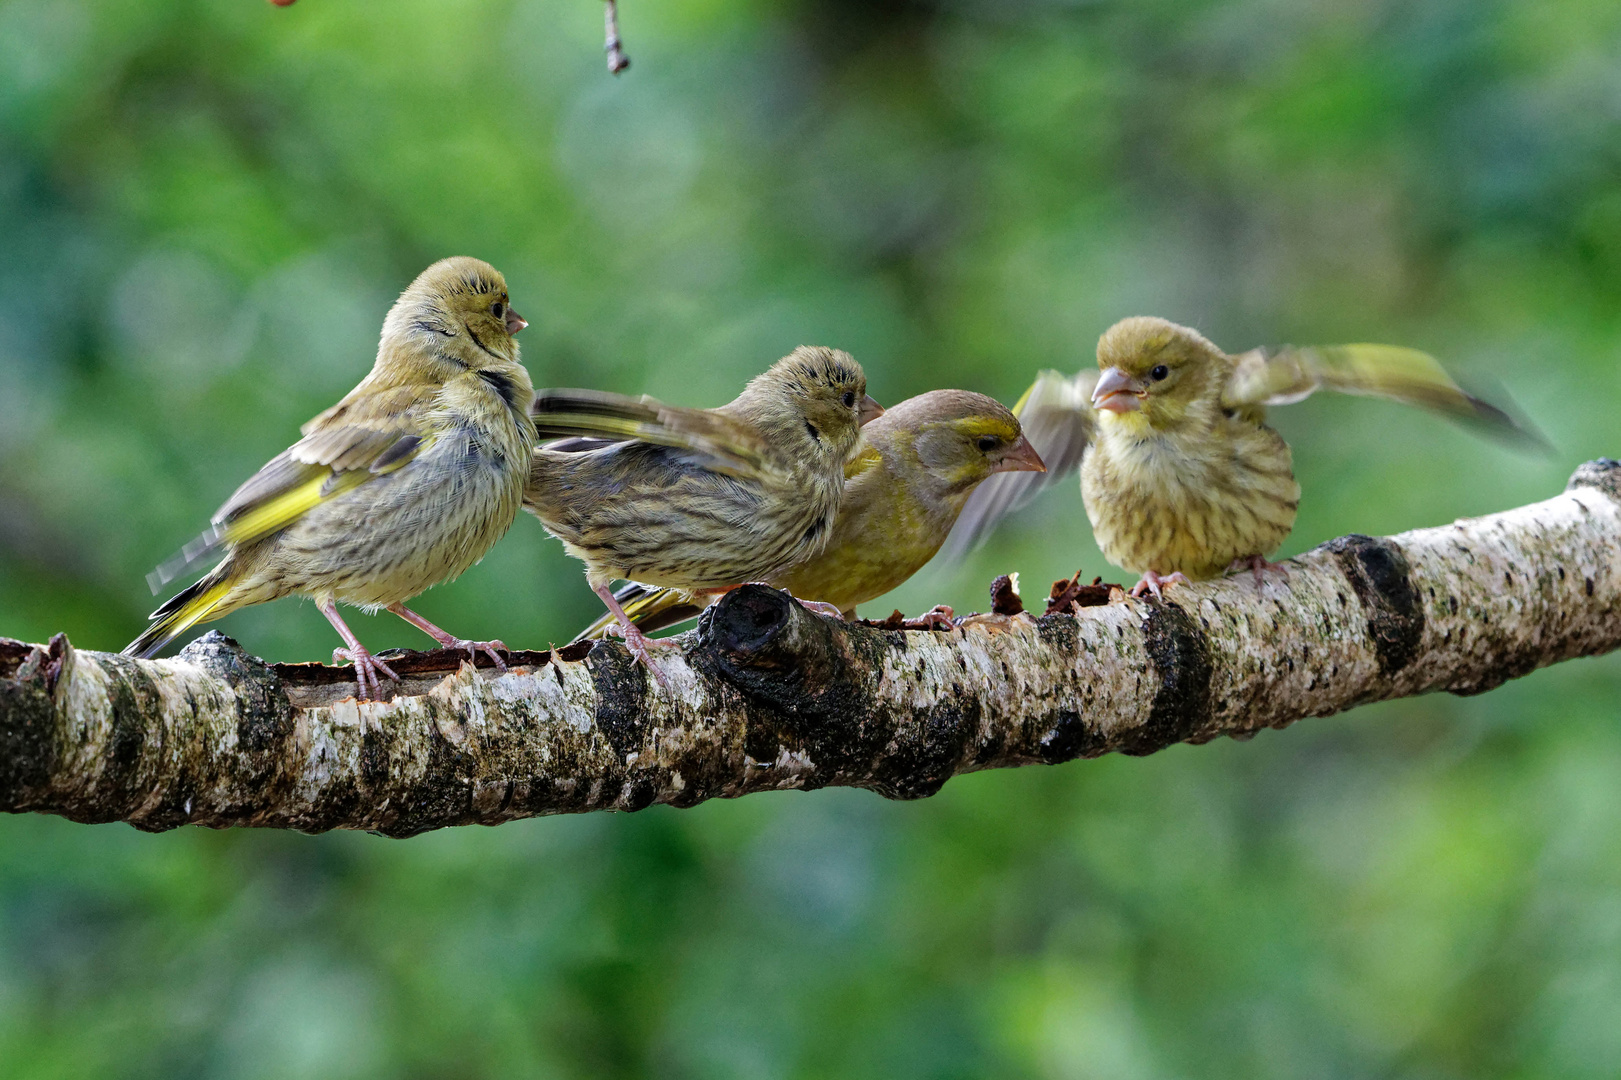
x=765 y=695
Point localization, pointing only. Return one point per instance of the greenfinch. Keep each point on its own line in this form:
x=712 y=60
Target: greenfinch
x=1181 y=477
x=701 y=500
x=405 y=483
x=903 y=491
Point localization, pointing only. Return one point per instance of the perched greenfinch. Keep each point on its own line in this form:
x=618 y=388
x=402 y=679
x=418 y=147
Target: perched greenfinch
x=701 y=500
x=902 y=493
x=1181 y=477
x=403 y=484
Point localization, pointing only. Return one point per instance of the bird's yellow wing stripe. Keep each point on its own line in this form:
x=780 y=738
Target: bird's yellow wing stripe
x=281 y=511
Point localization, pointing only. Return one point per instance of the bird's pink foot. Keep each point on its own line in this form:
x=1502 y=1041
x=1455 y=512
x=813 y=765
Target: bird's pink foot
x=488 y=648
x=450 y=641
x=641 y=649
x=1153 y=583
x=367 y=668
x=366 y=665
x=821 y=607
x=639 y=644
x=1257 y=565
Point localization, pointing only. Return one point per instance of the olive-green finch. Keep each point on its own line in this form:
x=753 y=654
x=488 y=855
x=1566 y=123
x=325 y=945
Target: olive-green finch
x=402 y=485
x=1181 y=477
x=701 y=500
x=902 y=493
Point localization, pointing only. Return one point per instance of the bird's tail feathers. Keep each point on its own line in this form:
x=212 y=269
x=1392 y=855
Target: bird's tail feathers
x=648 y=607
x=181 y=612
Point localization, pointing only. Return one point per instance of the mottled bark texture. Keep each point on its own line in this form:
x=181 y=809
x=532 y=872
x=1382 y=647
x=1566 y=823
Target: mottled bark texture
x=766 y=695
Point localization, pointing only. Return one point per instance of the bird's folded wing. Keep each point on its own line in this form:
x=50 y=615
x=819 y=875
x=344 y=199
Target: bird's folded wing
x=344 y=447
x=1057 y=417
x=725 y=443
x=1289 y=374
x=579 y=445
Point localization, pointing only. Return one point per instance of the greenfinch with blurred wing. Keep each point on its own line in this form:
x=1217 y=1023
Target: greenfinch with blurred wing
x=902 y=493
x=402 y=485
x=701 y=500
x=1181 y=477
x=1058 y=420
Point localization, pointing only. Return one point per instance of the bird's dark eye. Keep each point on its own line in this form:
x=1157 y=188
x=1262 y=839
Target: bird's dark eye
x=987 y=443
x=849 y=399
x=1160 y=372
x=498 y=309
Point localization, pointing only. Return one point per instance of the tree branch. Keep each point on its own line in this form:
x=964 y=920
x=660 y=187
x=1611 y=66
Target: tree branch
x=765 y=695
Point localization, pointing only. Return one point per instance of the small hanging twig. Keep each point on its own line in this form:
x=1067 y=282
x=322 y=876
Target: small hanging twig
x=617 y=60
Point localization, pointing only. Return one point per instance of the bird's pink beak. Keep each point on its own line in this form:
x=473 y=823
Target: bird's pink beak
x=1118 y=392
x=870 y=410
x=1020 y=457
x=515 y=322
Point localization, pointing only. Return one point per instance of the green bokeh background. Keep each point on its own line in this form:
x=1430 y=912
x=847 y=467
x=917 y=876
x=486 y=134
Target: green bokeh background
x=207 y=205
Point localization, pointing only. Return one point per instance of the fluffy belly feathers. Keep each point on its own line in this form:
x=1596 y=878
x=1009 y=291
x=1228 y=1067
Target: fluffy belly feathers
x=399 y=534
x=1192 y=505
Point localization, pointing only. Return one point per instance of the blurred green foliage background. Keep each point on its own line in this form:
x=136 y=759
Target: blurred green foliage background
x=207 y=205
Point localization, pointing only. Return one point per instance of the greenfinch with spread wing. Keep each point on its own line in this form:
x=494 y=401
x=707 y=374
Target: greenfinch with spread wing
x=1181 y=476
x=402 y=485
x=701 y=500
x=903 y=491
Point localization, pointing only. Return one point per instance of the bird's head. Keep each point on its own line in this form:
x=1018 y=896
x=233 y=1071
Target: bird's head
x=957 y=439
x=816 y=393
x=457 y=311
x=1155 y=372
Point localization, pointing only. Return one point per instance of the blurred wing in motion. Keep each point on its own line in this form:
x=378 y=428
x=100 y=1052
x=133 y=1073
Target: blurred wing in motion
x=722 y=442
x=1058 y=419
x=1284 y=376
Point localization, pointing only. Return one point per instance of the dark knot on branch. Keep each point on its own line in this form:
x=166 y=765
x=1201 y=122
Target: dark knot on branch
x=1381 y=577
x=812 y=684
x=765 y=643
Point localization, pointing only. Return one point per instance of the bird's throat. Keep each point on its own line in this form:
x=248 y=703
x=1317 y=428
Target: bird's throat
x=1132 y=424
